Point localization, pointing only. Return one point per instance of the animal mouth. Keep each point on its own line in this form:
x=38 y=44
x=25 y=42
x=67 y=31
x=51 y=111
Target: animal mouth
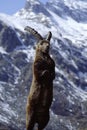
x=47 y=48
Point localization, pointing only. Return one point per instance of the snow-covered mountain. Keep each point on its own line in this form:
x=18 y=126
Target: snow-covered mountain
x=67 y=20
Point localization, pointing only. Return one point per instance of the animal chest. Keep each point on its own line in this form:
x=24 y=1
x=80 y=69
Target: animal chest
x=48 y=64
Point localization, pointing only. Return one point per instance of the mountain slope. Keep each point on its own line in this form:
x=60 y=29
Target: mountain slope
x=69 y=50
x=74 y=9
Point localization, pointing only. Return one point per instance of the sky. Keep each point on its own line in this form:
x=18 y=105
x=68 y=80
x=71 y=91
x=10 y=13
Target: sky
x=12 y=6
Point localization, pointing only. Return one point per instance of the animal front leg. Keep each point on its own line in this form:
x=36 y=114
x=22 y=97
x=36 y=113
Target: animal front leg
x=30 y=119
x=39 y=128
x=43 y=120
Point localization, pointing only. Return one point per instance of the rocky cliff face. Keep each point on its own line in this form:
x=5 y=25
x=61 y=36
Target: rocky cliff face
x=75 y=9
x=67 y=21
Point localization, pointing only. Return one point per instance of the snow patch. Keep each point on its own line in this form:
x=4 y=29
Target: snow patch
x=71 y=29
x=2 y=50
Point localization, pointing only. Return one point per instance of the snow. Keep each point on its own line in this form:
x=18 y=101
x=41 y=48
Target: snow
x=74 y=64
x=18 y=74
x=76 y=5
x=68 y=27
x=7 y=109
x=70 y=99
x=75 y=91
x=77 y=32
x=3 y=119
x=1 y=91
x=71 y=29
x=2 y=50
x=30 y=53
x=69 y=125
x=78 y=92
x=33 y=1
x=84 y=53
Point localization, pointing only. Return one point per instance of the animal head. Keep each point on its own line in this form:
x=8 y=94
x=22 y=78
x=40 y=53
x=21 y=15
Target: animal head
x=43 y=45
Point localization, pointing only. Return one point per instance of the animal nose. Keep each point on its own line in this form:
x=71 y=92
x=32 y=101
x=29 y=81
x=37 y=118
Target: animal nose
x=47 y=46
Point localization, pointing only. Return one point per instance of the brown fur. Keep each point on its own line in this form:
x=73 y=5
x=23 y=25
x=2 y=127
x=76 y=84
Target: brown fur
x=41 y=91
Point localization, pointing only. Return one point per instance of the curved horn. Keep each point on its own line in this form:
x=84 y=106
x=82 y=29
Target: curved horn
x=34 y=32
x=49 y=36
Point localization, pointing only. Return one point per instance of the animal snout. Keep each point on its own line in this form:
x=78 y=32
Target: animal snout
x=47 y=46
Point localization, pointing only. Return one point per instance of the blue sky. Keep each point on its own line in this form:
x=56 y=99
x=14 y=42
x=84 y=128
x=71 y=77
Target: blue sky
x=12 y=6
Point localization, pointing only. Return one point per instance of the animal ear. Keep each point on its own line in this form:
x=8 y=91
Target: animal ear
x=49 y=36
x=34 y=32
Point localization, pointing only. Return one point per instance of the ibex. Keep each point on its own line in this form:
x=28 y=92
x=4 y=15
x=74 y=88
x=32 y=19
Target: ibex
x=41 y=90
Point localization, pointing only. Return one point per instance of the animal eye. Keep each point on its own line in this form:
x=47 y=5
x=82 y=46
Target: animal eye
x=41 y=43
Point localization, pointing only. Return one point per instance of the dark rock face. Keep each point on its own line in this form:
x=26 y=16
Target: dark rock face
x=36 y=7
x=6 y=127
x=8 y=38
x=14 y=66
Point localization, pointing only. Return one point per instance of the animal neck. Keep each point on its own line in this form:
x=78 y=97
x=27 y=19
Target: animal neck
x=41 y=54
